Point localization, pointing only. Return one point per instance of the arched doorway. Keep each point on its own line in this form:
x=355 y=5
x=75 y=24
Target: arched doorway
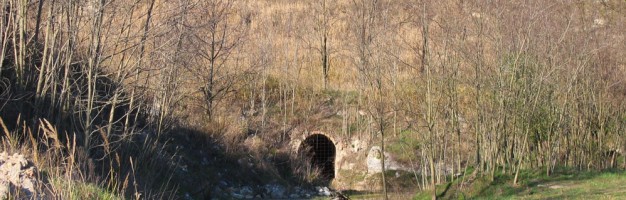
x=320 y=152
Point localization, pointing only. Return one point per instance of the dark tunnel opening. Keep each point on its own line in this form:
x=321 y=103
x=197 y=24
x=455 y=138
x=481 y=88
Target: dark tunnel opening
x=320 y=150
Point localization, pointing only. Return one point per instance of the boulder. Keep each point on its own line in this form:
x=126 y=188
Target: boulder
x=17 y=175
x=374 y=159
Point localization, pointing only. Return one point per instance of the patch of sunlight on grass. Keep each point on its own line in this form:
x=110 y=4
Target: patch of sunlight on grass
x=607 y=185
x=81 y=190
x=376 y=196
x=534 y=184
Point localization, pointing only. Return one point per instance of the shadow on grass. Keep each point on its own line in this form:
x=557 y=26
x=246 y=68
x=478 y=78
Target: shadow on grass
x=206 y=165
x=210 y=170
x=445 y=190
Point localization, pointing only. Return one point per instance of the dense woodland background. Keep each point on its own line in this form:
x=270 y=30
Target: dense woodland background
x=109 y=93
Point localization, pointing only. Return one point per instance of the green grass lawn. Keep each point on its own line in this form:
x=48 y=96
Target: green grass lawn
x=562 y=184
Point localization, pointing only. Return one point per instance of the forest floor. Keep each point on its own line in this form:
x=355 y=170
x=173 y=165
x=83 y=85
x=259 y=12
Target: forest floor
x=535 y=184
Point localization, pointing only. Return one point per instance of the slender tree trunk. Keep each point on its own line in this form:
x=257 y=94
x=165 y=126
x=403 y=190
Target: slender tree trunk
x=38 y=20
x=521 y=158
x=383 y=157
x=92 y=71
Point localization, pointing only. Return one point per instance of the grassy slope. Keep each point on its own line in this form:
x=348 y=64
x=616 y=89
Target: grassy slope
x=563 y=184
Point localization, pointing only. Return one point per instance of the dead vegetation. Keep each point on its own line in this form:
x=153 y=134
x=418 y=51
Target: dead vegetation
x=105 y=93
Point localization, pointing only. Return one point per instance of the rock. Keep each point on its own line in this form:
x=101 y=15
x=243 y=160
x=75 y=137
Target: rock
x=223 y=184
x=17 y=174
x=339 y=196
x=323 y=191
x=277 y=195
x=187 y=196
x=237 y=196
x=356 y=145
x=217 y=190
x=374 y=160
x=275 y=191
x=205 y=162
x=184 y=168
x=246 y=190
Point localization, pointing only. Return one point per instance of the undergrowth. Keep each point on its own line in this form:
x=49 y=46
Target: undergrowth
x=66 y=170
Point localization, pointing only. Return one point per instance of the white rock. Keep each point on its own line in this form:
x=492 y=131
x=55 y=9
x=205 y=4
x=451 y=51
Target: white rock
x=374 y=161
x=324 y=191
x=15 y=173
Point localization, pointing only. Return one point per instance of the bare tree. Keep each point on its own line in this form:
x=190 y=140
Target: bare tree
x=219 y=32
x=324 y=18
x=368 y=21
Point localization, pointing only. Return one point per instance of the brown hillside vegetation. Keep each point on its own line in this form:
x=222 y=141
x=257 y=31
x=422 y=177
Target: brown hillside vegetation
x=163 y=99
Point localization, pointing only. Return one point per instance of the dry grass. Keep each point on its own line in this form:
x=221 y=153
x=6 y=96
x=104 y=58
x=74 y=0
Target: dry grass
x=65 y=170
x=278 y=92
x=303 y=169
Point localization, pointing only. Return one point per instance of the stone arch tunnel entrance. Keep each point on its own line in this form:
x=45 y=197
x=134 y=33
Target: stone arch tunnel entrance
x=320 y=151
